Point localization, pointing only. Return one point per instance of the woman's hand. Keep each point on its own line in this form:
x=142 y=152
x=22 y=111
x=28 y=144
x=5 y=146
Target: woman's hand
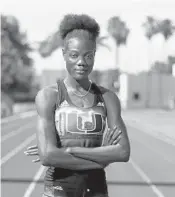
x=32 y=151
x=112 y=136
x=74 y=150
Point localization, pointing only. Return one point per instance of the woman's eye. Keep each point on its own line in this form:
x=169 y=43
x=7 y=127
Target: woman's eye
x=74 y=55
x=89 y=56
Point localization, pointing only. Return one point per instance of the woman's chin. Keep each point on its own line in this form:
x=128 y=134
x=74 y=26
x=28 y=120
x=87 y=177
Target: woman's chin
x=80 y=76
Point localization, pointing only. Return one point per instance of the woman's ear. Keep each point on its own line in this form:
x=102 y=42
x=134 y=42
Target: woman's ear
x=64 y=53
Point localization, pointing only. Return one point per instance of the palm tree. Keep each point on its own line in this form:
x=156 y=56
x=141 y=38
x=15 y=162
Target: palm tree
x=50 y=44
x=100 y=42
x=151 y=26
x=119 y=31
x=166 y=28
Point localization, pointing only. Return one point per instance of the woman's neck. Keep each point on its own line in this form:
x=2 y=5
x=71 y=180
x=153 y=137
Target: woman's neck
x=77 y=84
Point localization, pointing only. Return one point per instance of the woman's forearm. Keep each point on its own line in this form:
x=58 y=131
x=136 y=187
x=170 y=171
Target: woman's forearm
x=60 y=158
x=102 y=155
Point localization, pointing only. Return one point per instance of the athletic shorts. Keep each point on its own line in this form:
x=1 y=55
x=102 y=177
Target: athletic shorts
x=90 y=183
x=56 y=191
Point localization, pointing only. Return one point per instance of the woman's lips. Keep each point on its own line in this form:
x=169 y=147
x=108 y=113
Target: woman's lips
x=81 y=71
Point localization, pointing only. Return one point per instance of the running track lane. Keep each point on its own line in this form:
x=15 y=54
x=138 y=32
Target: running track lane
x=150 y=172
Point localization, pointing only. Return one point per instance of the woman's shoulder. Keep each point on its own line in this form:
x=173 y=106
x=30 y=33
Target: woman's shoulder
x=100 y=89
x=108 y=94
x=103 y=90
x=49 y=90
x=47 y=96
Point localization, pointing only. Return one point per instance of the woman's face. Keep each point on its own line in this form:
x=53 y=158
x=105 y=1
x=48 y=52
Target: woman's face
x=79 y=54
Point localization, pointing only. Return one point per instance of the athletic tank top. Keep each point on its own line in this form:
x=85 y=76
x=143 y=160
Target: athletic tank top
x=76 y=126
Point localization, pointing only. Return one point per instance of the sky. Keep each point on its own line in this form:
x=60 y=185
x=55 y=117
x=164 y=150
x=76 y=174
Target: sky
x=40 y=18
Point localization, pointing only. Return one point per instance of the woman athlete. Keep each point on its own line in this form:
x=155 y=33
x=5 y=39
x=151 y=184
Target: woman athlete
x=72 y=119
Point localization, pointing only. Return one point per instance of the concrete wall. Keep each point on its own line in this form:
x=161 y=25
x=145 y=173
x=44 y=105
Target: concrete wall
x=137 y=88
x=123 y=94
x=140 y=91
x=154 y=94
x=168 y=89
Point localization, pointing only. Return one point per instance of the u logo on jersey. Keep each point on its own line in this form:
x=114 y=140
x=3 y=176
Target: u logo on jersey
x=80 y=122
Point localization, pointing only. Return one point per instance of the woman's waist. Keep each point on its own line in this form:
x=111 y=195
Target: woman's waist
x=56 y=174
x=81 y=142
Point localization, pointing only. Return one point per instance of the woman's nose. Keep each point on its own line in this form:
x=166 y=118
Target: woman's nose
x=81 y=61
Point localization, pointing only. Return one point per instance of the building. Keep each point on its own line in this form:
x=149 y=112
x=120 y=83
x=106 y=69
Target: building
x=147 y=90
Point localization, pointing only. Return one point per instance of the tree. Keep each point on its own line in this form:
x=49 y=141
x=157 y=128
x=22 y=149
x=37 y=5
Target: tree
x=50 y=44
x=100 y=42
x=16 y=64
x=119 y=31
x=151 y=27
x=166 y=28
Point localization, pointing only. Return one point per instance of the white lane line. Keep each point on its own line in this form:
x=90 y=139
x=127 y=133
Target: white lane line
x=32 y=185
x=152 y=132
x=163 y=156
x=17 y=149
x=146 y=179
x=15 y=132
x=18 y=116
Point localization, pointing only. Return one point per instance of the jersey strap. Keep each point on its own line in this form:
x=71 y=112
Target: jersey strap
x=99 y=93
x=61 y=93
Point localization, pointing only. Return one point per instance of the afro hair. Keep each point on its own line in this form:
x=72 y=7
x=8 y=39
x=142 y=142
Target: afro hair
x=73 y=22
